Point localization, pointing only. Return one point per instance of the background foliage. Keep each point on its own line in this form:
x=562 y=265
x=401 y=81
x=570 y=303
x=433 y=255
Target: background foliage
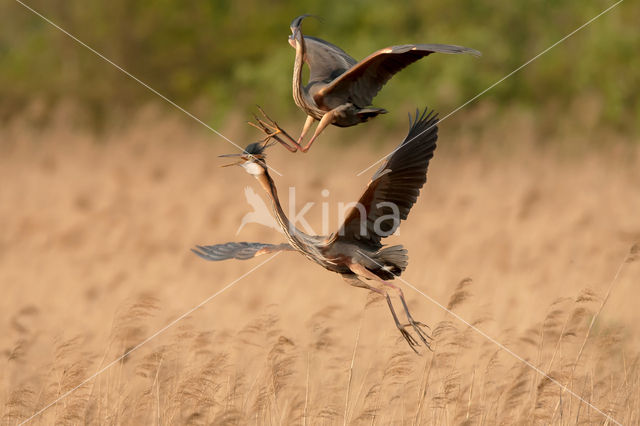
x=221 y=56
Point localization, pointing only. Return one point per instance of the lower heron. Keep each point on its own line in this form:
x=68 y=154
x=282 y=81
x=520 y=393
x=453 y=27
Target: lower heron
x=355 y=251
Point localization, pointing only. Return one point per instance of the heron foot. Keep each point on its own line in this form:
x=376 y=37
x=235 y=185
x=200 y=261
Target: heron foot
x=416 y=325
x=413 y=343
x=419 y=328
x=271 y=129
x=411 y=340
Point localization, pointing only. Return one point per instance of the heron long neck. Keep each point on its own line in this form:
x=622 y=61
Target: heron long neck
x=293 y=234
x=298 y=88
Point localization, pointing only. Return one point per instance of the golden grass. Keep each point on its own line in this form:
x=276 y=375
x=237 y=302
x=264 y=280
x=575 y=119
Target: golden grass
x=94 y=257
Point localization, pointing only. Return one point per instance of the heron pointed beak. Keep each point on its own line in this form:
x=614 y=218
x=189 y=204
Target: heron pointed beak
x=297 y=22
x=235 y=163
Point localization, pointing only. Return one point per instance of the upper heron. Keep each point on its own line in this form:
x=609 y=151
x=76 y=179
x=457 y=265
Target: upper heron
x=340 y=89
x=355 y=251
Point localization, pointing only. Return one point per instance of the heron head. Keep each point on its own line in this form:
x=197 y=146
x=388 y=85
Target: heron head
x=252 y=159
x=295 y=27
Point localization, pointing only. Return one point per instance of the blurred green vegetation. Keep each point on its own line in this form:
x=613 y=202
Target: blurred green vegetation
x=221 y=56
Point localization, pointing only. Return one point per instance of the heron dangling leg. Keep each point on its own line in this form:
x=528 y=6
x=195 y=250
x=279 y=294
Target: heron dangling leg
x=403 y=328
x=307 y=125
x=361 y=271
x=324 y=122
x=417 y=325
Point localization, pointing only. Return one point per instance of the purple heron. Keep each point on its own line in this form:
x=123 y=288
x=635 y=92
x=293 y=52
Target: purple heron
x=340 y=89
x=355 y=251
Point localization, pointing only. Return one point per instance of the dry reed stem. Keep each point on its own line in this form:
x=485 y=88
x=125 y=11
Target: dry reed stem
x=630 y=257
x=351 y=365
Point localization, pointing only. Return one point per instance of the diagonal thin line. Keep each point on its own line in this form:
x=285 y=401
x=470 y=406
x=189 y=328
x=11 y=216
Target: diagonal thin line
x=476 y=329
x=148 y=339
x=494 y=341
x=128 y=74
x=500 y=81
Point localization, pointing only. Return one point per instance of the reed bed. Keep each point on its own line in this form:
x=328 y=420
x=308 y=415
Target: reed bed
x=534 y=245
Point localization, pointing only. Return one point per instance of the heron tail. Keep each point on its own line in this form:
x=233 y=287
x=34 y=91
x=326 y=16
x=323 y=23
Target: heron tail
x=366 y=113
x=394 y=259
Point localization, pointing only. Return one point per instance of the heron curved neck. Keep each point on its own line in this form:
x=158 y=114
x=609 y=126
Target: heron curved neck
x=298 y=88
x=293 y=234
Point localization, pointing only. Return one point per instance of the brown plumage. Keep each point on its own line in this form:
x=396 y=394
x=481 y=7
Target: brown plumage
x=355 y=251
x=340 y=89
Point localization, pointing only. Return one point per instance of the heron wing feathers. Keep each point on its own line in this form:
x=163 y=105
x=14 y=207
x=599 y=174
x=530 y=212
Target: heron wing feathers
x=395 y=187
x=362 y=82
x=240 y=251
x=326 y=61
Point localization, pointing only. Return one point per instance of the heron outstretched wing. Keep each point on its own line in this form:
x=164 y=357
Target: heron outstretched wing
x=240 y=251
x=394 y=188
x=326 y=61
x=363 y=81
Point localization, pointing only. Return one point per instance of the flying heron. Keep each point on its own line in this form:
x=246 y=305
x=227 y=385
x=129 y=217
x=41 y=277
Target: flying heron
x=340 y=89
x=355 y=251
